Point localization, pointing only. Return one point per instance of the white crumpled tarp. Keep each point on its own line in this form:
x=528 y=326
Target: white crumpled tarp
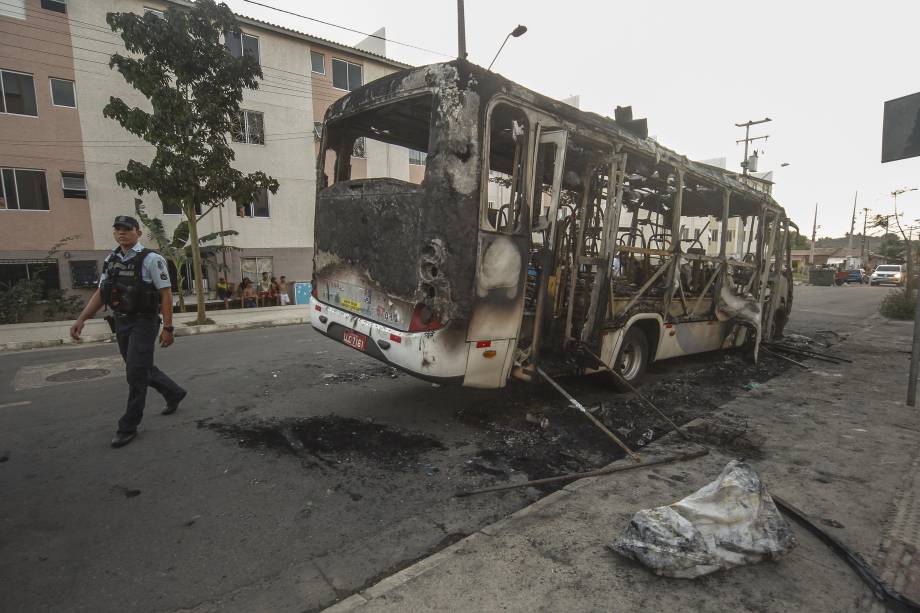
x=729 y=522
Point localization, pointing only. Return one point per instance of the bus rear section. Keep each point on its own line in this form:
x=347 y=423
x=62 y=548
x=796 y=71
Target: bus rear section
x=395 y=230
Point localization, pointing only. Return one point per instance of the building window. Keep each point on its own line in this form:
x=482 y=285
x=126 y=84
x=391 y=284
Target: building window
x=23 y=189
x=73 y=184
x=714 y=236
x=239 y=44
x=174 y=207
x=317 y=131
x=18 y=93
x=58 y=6
x=249 y=127
x=684 y=233
x=13 y=8
x=346 y=75
x=155 y=12
x=729 y=236
x=359 y=150
x=417 y=157
x=12 y=271
x=62 y=93
x=257 y=208
x=696 y=234
x=318 y=62
x=83 y=273
x=252 y=268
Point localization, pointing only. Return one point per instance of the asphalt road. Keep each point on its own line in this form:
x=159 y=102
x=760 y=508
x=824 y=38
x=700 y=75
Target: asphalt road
x=296 y=472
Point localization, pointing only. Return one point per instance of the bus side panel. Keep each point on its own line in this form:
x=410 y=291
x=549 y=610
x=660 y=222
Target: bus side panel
x=498 y=304
x=693 y=337
x=485 y=366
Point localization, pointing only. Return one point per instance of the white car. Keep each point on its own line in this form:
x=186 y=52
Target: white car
x=890 y=274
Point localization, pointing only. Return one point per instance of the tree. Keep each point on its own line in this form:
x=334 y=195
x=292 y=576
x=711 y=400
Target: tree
x=178 y=249
x=195 y=87
x=905 y=249
x=800 y=242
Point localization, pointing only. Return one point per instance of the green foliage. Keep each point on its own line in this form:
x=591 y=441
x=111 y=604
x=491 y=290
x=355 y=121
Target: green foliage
x=892 y=247
x=898 y=304
x=195 y=87
x=17 y=299
x=177 y=248
x=62 y=305
x=800 y=242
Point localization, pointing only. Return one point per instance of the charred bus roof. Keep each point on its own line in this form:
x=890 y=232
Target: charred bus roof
x=462 y=75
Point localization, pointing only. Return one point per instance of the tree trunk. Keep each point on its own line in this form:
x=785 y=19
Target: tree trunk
x=196 y=261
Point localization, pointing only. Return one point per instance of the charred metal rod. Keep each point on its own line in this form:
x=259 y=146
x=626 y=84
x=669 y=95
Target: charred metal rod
x=638 y=395
x=893 y=600
x=595 y=420
x=783 y=357
x=816 y=353
x=591 y=473
x=806 y=354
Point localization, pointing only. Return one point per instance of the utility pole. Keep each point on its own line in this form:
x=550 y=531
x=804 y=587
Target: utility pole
x=461 y=31
x=747 y=139
x=852 y=228
x=865 y=246
x=814 y=231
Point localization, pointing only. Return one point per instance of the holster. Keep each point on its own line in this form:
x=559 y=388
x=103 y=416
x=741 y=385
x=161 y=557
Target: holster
x=110 y=319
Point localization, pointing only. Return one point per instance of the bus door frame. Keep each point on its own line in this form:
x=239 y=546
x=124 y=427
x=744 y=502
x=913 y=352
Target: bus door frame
x=559 y=137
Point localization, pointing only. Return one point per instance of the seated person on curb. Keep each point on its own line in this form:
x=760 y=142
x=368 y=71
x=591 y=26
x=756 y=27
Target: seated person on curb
x=135 y=285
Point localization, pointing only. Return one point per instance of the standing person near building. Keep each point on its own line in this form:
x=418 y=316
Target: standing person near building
x=283 y=291
x=135 y=285
x=264 y=288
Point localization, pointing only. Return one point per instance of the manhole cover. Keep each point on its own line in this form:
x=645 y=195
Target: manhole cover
x=77 y=374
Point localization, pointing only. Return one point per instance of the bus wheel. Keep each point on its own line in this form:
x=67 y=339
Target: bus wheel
x=633 y=357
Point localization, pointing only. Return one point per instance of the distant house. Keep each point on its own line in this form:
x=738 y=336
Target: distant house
x=832 y=256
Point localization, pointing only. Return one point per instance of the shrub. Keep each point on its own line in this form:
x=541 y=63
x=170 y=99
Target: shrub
x=898 y=304
x=60 y=305
x=17 y=299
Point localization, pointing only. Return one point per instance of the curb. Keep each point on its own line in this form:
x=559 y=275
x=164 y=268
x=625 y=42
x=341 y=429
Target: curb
x=382 y=587
x=180 y=331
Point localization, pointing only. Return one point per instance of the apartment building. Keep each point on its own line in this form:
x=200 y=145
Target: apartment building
x=43 y=195
x=63 y=154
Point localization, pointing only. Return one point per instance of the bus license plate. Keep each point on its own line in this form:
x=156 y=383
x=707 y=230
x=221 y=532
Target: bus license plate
x=354 y=339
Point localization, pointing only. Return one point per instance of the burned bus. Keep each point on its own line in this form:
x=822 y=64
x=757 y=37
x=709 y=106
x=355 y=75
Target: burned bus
x=537 y=235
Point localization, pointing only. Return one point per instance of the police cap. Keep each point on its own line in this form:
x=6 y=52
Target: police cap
x=126 y=221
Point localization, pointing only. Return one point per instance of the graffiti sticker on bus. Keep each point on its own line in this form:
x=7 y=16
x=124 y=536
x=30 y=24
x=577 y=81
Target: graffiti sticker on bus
x=354 y=305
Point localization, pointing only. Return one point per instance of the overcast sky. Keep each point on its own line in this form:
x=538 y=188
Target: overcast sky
x=820 y=69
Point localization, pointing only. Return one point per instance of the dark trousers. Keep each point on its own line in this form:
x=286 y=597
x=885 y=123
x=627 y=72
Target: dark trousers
x=137 y=337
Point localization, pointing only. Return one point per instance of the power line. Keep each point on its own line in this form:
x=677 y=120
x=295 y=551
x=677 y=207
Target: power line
x=282 y=84
x=341 y=27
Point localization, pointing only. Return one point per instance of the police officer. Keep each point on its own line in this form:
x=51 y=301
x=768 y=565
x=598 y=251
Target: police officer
x=135 y=285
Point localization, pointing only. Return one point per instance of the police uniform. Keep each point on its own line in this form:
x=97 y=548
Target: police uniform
x=130 y=285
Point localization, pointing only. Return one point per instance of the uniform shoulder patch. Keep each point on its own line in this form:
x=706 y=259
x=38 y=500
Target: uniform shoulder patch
x=160 y=264
x=163 y=276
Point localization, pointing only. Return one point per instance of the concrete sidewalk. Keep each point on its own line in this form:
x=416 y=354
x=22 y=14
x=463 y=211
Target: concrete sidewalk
x=16 y=337
x=840 y=444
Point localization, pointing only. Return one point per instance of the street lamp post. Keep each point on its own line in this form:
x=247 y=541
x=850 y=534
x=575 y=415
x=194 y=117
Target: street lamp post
x=517 y=32
x=915 y=347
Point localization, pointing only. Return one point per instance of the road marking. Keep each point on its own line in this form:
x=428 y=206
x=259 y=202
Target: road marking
x=32 y=377
x=15 y=404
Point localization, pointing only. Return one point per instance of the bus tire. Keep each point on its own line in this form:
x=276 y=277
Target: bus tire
x=632 y=359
